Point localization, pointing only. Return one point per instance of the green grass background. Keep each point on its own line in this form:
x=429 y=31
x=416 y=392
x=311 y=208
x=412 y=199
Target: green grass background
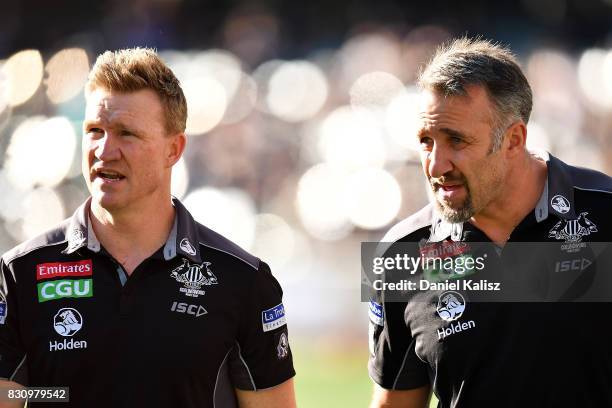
x=333 y=376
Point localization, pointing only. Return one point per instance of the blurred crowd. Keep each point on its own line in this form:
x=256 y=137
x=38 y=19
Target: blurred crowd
x=299 y=149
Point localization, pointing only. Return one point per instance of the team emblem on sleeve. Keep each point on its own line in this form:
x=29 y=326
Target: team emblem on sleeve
x=375 y=312
x=3 y=308
x=273 y=318
x=282 y=349
x=193 y=277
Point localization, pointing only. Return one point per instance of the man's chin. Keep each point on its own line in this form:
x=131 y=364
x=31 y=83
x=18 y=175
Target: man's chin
x=454 y=215
x=106 y=202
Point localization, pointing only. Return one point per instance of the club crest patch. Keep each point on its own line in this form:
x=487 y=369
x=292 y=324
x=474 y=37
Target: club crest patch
x=572 y=231
x=193 y=276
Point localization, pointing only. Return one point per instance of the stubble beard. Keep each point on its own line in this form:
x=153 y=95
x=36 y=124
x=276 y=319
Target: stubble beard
x=456 y=215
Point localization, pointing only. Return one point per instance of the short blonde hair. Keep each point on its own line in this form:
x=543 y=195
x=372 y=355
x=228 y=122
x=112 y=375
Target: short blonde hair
x=134 y=69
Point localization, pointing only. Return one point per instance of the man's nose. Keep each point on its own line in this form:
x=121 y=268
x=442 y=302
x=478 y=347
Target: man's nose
x=438 y=162
x=107 y=148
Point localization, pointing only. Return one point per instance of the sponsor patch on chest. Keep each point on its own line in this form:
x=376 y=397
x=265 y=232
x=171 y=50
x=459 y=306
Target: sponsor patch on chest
x=64 y=269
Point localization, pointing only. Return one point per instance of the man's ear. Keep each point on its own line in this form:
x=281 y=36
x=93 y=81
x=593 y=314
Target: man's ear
x=516 y=139
x=176 y=147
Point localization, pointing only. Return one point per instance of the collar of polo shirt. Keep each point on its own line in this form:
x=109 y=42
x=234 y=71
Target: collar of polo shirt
x=81 y=234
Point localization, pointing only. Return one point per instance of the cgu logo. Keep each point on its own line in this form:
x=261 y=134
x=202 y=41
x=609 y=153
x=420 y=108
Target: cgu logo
x=194 y=310
x=64 y=288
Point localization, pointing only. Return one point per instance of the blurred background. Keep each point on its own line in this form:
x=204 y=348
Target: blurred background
x=299 y=129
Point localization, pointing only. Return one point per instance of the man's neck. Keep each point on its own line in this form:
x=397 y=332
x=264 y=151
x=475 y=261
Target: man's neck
x=520 y=196
x=132 y=235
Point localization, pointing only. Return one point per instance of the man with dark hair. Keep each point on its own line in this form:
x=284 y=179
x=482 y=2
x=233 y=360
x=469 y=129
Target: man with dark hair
x=489 y=188
x=131 y=302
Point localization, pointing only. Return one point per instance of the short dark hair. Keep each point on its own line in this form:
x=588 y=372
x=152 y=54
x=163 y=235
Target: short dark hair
x=466 y=61
x=133 y=69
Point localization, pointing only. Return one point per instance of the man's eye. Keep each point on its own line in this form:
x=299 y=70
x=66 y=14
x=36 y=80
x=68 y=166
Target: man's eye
x=425 y=141
x=94 y=130
x=456 y=140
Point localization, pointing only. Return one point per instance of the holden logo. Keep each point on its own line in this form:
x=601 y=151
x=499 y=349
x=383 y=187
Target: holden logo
x=560 y=204
x=450 y=306
x=67 y=322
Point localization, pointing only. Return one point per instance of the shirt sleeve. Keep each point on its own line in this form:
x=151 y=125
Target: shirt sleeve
x=12 y=354
x=262 y=357
x=393 y=363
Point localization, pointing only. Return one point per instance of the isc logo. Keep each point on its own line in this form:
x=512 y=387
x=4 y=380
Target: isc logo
x=182 y=307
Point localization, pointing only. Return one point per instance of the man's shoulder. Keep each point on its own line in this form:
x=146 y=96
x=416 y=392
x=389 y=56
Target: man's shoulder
x=52 y=237
x=410 y=228
x=227 y=248
x=590 y=180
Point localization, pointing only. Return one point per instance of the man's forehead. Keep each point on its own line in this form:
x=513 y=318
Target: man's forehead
x=103 y=104
x=475 y=104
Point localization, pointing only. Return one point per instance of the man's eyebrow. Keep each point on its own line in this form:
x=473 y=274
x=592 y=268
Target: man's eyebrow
x=453 y=133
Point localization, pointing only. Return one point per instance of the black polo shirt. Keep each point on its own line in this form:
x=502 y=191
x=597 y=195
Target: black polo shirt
x=510 y=354
x=196 y=319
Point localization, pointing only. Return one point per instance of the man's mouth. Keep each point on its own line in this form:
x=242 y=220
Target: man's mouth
x=109 y=175
x=450 y=188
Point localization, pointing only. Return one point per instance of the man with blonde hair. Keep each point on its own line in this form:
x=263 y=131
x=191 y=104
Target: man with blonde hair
x=491 y=192
x=131 y=302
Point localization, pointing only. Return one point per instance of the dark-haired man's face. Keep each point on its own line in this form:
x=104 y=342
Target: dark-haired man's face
x=455 y=137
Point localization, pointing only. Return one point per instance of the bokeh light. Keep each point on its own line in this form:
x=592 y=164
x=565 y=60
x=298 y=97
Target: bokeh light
x=40 y=152
x=591 y=76
x=180 y=179
x=24 y=73
x=537 y=138
x=374 y=91
x=42 y=210
x=372 y=198
x=229 y=212
x=296 y=91
x=242 y=102
x=320 y=202
x=274 y=241
x=207 y=101
x=401 y=121
x=351 y=139
x=66 y=74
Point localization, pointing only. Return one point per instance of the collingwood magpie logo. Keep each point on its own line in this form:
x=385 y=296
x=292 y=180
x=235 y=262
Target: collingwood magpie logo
x=186 y=246
x=450 y=306
x=560 y=204
x=572 y=231
x=194 y=276
x=76 y=239
x=282 y=349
